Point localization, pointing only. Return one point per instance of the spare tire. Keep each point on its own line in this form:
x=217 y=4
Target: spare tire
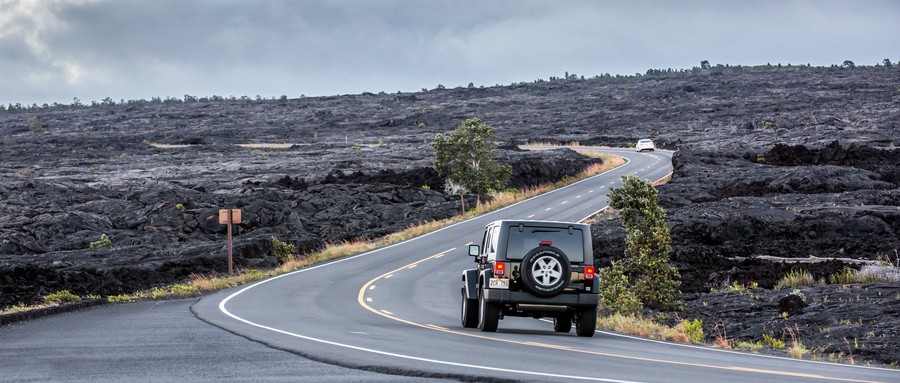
x=545 y=271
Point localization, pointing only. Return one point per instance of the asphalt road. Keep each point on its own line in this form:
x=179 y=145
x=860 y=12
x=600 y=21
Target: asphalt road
x=386 y=315
x=151 y=341
x=397 y=310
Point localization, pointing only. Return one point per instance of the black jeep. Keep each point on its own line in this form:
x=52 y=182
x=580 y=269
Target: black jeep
x=532 y=269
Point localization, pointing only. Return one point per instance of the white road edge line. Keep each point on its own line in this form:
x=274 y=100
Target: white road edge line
x=627 y=161
x=728 y=351
x=283 y=332
x=402 y=356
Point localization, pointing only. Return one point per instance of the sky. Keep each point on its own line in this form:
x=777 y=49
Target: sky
x=58 y=50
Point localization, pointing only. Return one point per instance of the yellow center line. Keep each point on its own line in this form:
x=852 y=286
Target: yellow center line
x=389 y=315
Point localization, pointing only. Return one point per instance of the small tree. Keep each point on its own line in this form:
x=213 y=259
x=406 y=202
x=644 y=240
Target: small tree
x=466 y=157
x=647 y=243
x=704 y=64
x=887 y=63
x=35 y=125
x=848 y=64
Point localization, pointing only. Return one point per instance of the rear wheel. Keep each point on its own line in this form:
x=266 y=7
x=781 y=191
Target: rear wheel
x=489 y=313
x=586 y=322
x=562 y=323
x=468 y=310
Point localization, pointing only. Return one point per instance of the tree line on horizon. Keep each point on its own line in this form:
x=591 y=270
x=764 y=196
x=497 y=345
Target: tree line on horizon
x=704 y=68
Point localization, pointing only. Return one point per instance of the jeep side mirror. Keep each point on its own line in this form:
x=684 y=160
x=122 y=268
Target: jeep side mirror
x=474 y=250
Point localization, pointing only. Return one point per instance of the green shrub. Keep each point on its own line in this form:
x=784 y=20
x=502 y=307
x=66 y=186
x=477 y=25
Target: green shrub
x=843 y=277
x=615 y=293
x=282 y=250
x=735 y=286
x=61 y=297
x=693 y=329
x=121 y=298
x=751 y=346
x=772 y=342
x=103 y=242
x=173 y=291
x=795 y=278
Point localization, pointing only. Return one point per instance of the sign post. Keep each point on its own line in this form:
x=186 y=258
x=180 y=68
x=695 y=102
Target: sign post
x=228 y=217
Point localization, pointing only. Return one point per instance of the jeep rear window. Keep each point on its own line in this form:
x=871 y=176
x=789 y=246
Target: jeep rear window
x=520 y=243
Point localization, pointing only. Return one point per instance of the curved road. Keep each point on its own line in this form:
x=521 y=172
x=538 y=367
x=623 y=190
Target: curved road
x=396 y=310
x=389 y=311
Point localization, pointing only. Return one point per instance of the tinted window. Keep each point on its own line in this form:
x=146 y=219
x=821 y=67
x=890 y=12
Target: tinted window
x=521 y=242
x=495 y=239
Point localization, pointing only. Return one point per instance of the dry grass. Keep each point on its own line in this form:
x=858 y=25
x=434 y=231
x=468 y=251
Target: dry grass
x=797 y=350
x=266 y=146
x=645 y=328
x=20 y=308
x=722 y=342
x=166 y=146
x=663 y=180
x=547 y=143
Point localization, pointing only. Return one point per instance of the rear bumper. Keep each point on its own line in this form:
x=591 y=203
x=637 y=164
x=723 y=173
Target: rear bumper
x=519 y=297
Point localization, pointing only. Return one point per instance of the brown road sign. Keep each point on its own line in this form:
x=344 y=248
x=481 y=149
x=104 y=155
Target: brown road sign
x=229 y=217
x=235 y=216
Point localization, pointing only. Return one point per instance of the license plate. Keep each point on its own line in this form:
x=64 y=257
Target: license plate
x=498 y=283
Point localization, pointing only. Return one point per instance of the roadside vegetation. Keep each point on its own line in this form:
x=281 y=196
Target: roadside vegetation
x=465 y=158
x=50 y=300
x=643 y=277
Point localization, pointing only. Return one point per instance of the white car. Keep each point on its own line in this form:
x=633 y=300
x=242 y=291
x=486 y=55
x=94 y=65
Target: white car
x=645 y=144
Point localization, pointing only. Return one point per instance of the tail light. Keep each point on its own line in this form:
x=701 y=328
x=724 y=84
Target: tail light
x=589 y=272
x=499 y=268
x=546 y=243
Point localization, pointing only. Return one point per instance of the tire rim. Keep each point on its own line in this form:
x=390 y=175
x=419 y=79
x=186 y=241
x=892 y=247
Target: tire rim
x=546 y=271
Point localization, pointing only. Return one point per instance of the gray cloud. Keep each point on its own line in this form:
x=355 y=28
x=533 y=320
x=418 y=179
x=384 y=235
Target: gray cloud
x=55 y=50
